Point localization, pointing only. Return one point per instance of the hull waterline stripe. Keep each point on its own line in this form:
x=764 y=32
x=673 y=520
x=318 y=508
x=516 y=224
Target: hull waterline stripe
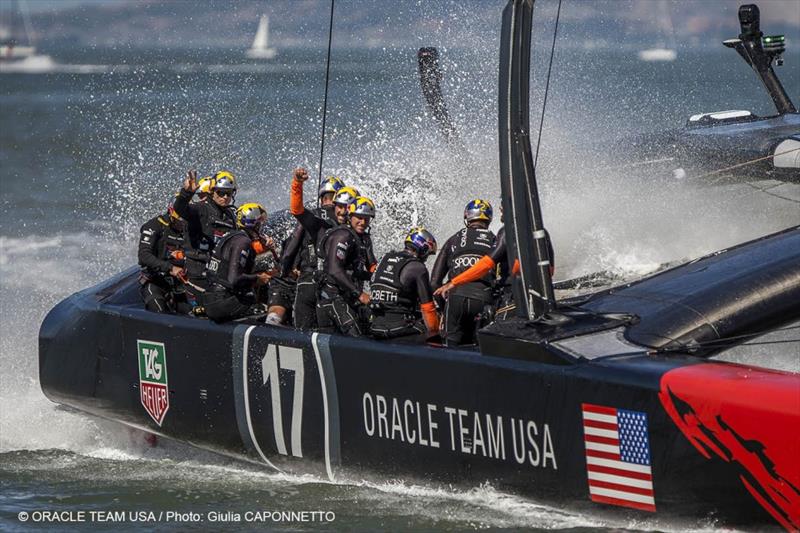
x=619 y=495
x=628 y=467
x=620 y=480
x=242 y=391
x=330 y=401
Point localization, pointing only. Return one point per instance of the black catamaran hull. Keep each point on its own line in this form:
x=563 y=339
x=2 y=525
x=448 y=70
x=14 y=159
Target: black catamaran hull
x=303 y=402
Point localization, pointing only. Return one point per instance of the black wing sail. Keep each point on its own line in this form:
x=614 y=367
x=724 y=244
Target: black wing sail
x=525 y=234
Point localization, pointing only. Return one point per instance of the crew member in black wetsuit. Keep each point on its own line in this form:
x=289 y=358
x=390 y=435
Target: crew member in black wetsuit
x=229 y=275
x=495 y=261
x=207 y=222
x=402 y=298
x=459 y=253
x=161 y=241
x=301 y=249
x=347 y=263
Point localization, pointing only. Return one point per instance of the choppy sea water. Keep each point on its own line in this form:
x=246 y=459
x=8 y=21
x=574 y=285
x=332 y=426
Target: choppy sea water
x=88 y=154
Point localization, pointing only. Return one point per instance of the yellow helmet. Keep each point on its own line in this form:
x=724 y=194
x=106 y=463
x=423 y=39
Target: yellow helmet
x=251 y=216
x=345 y=196
x=331 y=185
x=205 y=185
x=362 y=207
x=224 y=180
x=478 y=210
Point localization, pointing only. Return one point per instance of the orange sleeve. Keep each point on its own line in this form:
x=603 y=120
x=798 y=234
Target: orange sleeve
x=484 y=265
x=296 y=206
x=373 y=267
x=430 y=316
x=515 y=268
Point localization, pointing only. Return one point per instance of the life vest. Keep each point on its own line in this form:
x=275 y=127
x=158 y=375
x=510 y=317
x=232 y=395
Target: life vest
x=198 y=251
x=470 y=245
x=354 y=262
x=169 y=244
x=219 y=263
x=386 y=290
x=309 y=260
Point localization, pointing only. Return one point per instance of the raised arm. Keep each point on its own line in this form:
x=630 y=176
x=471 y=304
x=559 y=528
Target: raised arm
x=309 y=220
x=183 y=205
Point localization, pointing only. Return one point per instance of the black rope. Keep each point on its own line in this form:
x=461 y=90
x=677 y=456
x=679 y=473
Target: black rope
x=325 y=102
x=547 y=85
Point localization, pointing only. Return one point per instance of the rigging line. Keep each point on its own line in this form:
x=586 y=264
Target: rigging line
x=745 y=163
x=325 y=102
x=547 y=85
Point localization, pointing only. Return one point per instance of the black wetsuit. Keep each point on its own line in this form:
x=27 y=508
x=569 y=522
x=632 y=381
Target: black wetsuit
x=465 y=303
x=229 y=277
x=159 y=239
x=301 y=253
x=346 y=261
x=207 y=223
x=398 y=287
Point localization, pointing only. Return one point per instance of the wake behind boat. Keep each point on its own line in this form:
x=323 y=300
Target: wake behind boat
x=630 y=397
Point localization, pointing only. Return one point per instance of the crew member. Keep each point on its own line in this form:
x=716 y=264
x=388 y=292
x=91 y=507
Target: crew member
x=207 y=222
x=301 y=249
x=466 y=302
x=400 y=290
x=495 y=261
x=161 y=241
x=229 y=275
x=346 y=252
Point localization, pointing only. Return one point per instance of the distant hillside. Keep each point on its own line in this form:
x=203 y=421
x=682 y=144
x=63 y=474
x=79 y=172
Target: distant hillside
x=304 y=23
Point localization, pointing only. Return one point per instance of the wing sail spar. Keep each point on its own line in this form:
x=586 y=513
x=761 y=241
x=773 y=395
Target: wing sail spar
x=525 y=234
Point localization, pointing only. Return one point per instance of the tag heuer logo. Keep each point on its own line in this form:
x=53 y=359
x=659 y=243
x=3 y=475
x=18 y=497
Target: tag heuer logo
x=153 y=378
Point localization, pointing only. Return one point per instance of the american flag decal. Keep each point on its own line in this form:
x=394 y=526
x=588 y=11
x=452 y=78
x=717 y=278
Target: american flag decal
x=618 y=457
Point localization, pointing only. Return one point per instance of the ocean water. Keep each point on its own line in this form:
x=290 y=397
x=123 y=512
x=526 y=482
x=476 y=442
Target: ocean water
x=89 y=153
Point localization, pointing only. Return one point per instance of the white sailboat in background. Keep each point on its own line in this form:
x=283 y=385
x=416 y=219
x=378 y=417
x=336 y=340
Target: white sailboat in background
x=260 y=48
x=662 y=52
x=17 y=43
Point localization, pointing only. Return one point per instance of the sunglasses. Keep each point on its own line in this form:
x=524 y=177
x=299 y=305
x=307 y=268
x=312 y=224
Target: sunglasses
x=223 y=194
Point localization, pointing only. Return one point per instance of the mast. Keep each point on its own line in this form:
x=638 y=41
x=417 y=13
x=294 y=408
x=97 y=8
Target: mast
x=526 y=237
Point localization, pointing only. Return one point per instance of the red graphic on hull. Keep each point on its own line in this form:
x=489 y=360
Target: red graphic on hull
x=748 y=417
